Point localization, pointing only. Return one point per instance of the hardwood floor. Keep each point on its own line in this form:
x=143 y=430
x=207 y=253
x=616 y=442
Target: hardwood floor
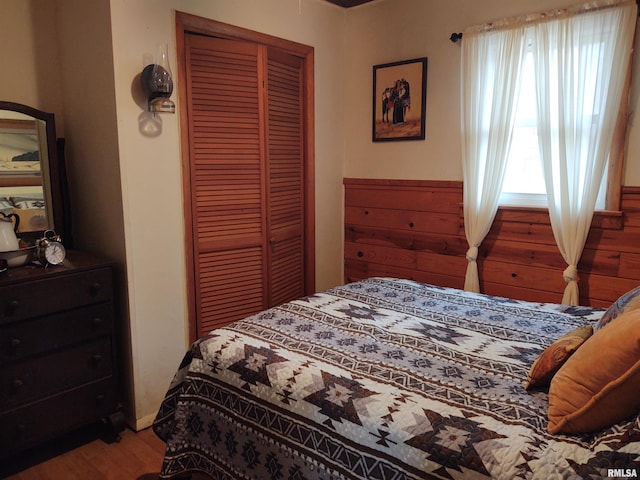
x=137 y=456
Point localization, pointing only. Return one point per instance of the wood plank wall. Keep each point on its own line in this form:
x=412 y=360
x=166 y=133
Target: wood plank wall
x=415 y=229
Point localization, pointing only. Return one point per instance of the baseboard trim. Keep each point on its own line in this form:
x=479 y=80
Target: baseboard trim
x=142 y=423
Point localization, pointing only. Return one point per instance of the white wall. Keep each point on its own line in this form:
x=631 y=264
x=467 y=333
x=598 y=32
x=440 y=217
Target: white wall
x=29 y=73
x=392 y=30
x=151 y=168
x=93 y=164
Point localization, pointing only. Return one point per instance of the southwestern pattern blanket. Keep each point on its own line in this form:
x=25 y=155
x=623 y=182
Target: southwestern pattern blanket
x=380 y=379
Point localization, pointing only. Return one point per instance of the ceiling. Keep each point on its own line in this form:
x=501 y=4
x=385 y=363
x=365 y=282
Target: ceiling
x=349 y=3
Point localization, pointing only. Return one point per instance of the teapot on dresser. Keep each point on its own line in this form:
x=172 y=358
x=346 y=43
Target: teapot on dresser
x=8 y=237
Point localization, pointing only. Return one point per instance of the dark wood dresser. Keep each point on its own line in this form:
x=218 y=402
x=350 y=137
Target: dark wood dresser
x=57 y=350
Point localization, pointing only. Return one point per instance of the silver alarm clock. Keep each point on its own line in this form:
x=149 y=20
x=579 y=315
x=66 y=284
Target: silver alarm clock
x=50 y=250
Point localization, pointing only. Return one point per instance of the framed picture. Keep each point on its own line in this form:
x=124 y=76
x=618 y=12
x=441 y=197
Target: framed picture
x=399 y=100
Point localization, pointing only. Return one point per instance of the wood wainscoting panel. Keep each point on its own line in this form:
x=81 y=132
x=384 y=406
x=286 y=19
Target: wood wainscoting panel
x=404 y=228
x=415 y=229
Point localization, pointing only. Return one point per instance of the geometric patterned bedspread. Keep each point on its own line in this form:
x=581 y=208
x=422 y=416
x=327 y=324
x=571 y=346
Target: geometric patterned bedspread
x=381 y=379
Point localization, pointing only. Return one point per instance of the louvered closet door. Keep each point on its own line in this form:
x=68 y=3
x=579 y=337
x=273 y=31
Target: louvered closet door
x=227 y=179
x=286 y=176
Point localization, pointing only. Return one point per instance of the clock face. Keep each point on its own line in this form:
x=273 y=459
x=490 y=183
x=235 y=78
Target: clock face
x=54 y=253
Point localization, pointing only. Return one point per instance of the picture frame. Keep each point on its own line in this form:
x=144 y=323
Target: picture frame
x=400 y=100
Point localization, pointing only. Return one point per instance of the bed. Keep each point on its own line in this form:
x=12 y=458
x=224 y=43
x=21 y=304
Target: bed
x=383 y=379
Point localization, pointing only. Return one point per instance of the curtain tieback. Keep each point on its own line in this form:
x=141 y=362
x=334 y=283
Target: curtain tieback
x=570 y=274
x=472 y=254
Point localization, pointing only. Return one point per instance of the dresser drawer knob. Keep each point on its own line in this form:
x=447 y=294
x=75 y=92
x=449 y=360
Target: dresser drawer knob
x=13 y=306
x=100 y=398
x=16 y=342
x=96 y=321
x=95 y=288
x=97 y=359
x=17 y=383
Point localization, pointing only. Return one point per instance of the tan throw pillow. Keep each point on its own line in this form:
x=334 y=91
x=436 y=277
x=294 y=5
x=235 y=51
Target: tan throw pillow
x=549 y=362
x=626 y=302
x=598 y=385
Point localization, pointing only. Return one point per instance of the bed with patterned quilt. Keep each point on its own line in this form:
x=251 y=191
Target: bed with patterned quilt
x=393 y=379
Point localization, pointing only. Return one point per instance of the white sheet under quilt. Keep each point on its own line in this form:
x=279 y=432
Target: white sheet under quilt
x=381 y=379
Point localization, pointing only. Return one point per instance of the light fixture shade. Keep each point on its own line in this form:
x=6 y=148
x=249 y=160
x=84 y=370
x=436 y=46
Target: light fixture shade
x=157 y=83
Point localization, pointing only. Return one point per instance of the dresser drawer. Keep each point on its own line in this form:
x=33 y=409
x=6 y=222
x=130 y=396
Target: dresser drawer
x=38 y=377
x=43 y=334
x=39 y=421
x=42 y=297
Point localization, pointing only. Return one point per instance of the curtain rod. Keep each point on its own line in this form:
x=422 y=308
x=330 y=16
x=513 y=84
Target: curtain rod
x=458 y=36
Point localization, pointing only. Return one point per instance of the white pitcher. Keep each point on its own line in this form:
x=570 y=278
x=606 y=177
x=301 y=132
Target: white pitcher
x=8 y=238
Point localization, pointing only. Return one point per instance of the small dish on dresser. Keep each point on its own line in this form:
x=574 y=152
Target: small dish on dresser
x=17 y=258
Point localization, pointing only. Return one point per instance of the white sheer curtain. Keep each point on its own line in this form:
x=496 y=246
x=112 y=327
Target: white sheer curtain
x=580 y=63
x=490 y=82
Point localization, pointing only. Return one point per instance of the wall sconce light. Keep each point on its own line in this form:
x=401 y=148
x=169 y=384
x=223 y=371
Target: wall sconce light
x=157 y=83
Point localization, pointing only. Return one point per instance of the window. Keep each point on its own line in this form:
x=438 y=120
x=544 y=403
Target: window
x=577 y=61
x=524 y=181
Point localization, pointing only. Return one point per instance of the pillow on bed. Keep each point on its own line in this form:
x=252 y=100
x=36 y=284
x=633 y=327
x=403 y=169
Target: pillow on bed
x=5 y=205
x=626 y=302
x=598 y=385
x=27 y=202
x=554 y=356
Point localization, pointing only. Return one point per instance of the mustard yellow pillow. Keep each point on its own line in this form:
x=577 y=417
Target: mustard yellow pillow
x=549 y=362
x=598 y=385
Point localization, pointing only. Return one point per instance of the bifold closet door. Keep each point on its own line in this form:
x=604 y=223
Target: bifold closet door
x=285 y=165
x=227 y=179
x=246 y=169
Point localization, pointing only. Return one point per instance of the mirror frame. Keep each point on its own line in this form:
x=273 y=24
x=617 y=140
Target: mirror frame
x=55 y=186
